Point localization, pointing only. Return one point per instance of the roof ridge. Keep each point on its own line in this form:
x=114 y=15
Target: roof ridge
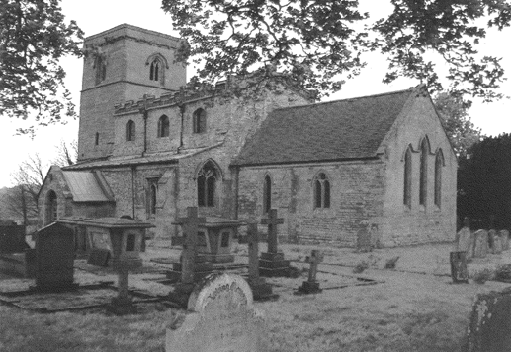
x=411 y=89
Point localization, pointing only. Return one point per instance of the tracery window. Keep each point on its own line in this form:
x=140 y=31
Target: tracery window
x=206 y=181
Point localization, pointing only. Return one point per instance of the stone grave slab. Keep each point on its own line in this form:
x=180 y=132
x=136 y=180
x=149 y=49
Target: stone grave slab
x=221 y=318
x=490 y=323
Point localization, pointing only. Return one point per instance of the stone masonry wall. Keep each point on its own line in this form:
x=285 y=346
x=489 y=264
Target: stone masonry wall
x=402 y=225
x=356 y=197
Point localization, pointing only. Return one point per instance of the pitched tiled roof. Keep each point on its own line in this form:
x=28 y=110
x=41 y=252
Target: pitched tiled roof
x=85 y=187
x=337 y=130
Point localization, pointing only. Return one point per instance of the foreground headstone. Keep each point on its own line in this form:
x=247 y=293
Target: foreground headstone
x=221 y=319
x=480 y=243
x=490 y=323
x=504 y=238
x=55 y=258
x=459 y=268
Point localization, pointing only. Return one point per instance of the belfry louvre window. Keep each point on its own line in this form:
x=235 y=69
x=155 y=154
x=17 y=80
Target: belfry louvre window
x=321 y=191
x=154 y=70
x=206 y=180
x=130 y=131
x=163 y=126
x=199 y=121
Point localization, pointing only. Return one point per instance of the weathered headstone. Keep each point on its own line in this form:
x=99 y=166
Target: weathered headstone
x=496 y=243
x=54 y=258
x=272 y=263
x=480 y=244
x=490 y=323
x=463 y=240
x=364 y=241
x=312 y=285
x=459 y=268
x=504 y=237
x=221 y=318
x=260 y=289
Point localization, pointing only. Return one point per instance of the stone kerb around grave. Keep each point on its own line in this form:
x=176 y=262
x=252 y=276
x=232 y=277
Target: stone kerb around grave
x=221 y=318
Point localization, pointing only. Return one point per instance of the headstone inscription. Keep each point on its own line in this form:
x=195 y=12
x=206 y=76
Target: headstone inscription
x=55 y=258
x=490 y=323
x=272 y=263
x=480 y=244
x=504 y=237
x=221 y=318
x=311 y=285
x=459 y=268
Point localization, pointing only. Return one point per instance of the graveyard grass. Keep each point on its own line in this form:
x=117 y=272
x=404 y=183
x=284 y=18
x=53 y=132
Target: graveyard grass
x=410 y=311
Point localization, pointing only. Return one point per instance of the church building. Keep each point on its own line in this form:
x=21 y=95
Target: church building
x=377 y=165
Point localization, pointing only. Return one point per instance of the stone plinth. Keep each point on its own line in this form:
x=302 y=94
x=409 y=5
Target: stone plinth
x=273 y=264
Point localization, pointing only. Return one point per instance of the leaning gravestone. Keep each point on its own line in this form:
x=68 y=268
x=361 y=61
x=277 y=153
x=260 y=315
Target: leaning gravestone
x=222 y=319
x=480 y=243
x=490 y=323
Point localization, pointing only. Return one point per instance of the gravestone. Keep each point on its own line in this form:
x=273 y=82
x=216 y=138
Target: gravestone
x=12 y=237
x=496 y=243
x=463 y=238
x=459 y=268
x=490 y=323
x=260 y=289
x=504 y=237
x=480 y=244
x=364 y=241
x=272 y=263
x=311 y=285
x=221 y=318
x=54 y=258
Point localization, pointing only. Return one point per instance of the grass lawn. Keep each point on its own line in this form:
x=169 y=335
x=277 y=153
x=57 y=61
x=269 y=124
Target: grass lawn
x=416 y=308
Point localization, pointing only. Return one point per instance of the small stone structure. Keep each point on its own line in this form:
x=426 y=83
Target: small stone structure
x=490 y=323
x=504 y=237
x=221 y=318
x=55 y=258
x=311 y=285
x=272 y=263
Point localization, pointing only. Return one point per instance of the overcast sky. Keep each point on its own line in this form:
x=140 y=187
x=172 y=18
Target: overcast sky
x=95 y=16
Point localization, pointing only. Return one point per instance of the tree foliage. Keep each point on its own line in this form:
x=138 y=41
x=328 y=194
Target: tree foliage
x=33 y=37
x=484 y=190
x=453 y=112
x=318 y=43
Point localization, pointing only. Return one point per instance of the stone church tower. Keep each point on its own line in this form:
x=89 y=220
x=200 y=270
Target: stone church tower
x=124 y=63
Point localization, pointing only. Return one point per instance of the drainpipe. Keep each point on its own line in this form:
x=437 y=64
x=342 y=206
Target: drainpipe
x=143 y=111
x=182 y=111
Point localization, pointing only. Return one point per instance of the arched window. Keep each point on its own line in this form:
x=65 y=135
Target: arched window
x=321 y=191
x=423 y=177
x=100 y=66
x=199 y=121
x=439 y=163
x=96 y=141
x=154 y=70
x=267 y=194
x=130 y=131
x=163 y=126
x=206 y=180
x=51 y=207
x=407 y=186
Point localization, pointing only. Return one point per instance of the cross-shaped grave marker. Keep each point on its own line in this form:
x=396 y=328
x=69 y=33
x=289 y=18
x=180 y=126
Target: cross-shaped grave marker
x=311 y=285
x=272 y=221
x=190 y=226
